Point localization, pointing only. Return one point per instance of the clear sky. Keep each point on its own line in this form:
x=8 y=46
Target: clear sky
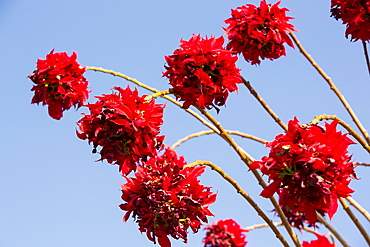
x=53 y=193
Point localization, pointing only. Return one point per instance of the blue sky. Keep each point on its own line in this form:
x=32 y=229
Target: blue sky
x=52 y=191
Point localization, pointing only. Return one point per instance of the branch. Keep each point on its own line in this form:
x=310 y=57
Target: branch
x=244 y=195
x=277 y=224
x=366 y=56
x=332 y=87
x=355 y=220
x=264 y=104
x=332 y=230
x=359 y=208
x=207 y=132
x=248 y=159
x=156 y=95
x=360 y=164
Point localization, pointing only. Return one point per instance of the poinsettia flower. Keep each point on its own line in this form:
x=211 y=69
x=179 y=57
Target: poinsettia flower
x=321 y=241
x=355 y=14
x=310 y=169
x=202 y=73
x=225 y=233
x=60 y=83
x=259 y=32
x=125 y=126
x=167 y=198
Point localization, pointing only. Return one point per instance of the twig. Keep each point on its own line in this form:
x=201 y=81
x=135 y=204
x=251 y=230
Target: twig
x=277 y=224
x=346 y=126
x=202 y=120
x=244 y=195
x=264 y=104
x=359 y=208
x=332 y=230
x=207 y=132
x=156 y=95
x=332 y=87
x=355 y=220
x=366 y=56
x=360 y=164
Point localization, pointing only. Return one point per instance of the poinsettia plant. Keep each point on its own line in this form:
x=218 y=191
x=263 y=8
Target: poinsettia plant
x=306 y=174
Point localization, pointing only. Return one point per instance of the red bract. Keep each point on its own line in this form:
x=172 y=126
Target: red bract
x=321 y=241
x=356 y=15
x=125 y=125
x=225 y=233
x=202 y=72
x=310 y=168
x=60 y=83
x=166 y=198
x=295 y=218
x=259 y=32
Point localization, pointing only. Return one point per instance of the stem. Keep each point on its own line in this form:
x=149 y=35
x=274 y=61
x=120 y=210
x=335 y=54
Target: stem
x=359 y=208
x=332 y=87
x=361 y=164
x=207 y=132
x=355 y=220
x=264 y=104
x=366 y=56
x=244 y=195
x=194 y=114
x=156 y=95
x=332 y=230
x=247 y=159
x=278 y=224
x=346 y=126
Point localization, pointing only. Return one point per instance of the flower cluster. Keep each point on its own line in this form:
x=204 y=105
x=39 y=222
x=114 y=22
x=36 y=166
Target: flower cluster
x=225 y=233
x=60 y=83
x=355 y=14
x=259 y=32
x=321 y=241
x=125 y=125
x=202 y=72
x=310 y=168
x=166 y=198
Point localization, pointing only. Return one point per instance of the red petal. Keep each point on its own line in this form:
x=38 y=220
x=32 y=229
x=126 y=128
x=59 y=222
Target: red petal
x=55 y=111
x=271 y=189
x=163 y=239
x=333 y=206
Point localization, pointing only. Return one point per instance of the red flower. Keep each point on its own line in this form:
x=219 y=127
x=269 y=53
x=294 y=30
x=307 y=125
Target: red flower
x=202 y=72
x=125 y=125
x=259 y=32
x=166 y=198
x=225 y=233
x=356 y=15
x=321 y=241
x=310 y=168
x=60 y=83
